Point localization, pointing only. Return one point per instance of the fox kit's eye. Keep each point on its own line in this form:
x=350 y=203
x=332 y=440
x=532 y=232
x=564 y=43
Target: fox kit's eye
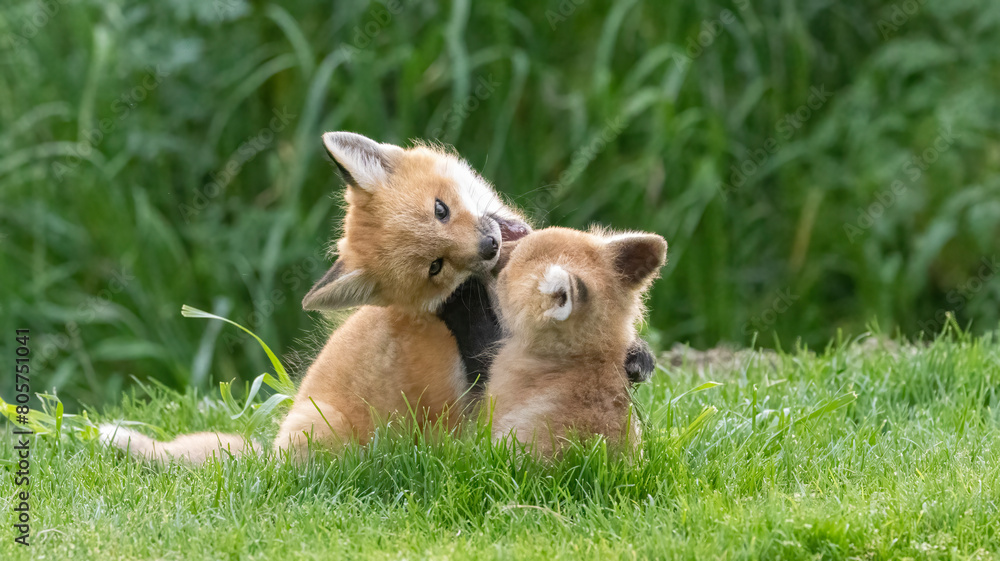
x=440 y=212
x=436 y=266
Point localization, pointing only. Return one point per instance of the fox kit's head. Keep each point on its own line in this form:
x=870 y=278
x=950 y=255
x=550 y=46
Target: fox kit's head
x=419 y=222
x=570 y=291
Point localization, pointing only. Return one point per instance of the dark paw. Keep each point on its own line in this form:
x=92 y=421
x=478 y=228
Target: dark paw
x=639 y=362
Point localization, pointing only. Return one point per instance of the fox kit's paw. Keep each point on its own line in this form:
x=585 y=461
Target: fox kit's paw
x=639 y=362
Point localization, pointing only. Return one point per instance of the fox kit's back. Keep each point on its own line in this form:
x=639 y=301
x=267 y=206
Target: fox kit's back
x=569 y=301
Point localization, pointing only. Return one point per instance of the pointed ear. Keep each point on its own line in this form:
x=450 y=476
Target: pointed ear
x=563 y=290
x=362 y=162
x=637 y=257
x=340 y=288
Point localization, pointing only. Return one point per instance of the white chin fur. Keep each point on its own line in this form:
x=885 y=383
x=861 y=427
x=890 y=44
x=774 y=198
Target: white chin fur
x=557 y=280
x=434 y=305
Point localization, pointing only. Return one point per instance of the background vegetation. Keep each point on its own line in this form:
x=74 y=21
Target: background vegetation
x=154 y=154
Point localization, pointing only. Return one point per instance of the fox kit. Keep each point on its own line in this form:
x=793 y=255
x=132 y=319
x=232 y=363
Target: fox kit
x=419 y=224
x=570 y=301
x=422 y=236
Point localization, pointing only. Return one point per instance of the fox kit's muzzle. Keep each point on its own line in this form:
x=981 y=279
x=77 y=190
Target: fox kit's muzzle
x=491 y=236
x=488 y=247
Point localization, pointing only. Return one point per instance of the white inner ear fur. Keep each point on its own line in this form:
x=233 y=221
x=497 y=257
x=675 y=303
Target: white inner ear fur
x=355 y=288
x=556 y=283
x=362 y=157
x=347 y=291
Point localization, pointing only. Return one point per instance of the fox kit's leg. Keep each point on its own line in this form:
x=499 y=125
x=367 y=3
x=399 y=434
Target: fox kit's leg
x=528 y=427
x=518 y=409
x=321 y=423
x=336 y=395
x=379 y=363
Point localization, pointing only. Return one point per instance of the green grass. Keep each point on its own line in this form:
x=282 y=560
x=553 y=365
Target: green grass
x=789 y=466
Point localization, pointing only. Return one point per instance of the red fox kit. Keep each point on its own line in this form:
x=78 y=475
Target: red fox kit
x=569 y=301
x=419 y=224
x=421 y=237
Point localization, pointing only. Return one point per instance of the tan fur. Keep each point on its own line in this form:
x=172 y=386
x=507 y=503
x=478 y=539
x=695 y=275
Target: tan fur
x=194 y=448
x=398 y=356
x=391 y=235
x=393 y=355
x=560 y=372
x=383 y=361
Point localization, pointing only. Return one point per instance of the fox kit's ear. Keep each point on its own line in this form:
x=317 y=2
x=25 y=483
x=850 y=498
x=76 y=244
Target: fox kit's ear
x=563 y=290
x=637 y=257
x=362 y=162
x=339 y=289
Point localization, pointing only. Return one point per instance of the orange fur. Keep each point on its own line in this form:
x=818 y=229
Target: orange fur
x=398 y=355
x=393 y=354
x=380 y=362
x=570 y=301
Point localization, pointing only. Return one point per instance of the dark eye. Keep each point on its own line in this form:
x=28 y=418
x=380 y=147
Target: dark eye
x=436 y=266
x=440 y=210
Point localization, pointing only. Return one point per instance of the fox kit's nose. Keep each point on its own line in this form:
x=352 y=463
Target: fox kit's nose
x=488 y=247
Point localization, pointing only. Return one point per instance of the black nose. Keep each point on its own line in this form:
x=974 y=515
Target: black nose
x=488 y=248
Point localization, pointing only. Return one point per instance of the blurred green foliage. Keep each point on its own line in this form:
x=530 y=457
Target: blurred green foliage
x=814 y=165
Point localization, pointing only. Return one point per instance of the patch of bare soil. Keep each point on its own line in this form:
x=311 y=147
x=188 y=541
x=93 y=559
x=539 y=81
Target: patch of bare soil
x=728 y=357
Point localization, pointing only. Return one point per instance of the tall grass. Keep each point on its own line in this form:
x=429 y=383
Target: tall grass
x=596 y=116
